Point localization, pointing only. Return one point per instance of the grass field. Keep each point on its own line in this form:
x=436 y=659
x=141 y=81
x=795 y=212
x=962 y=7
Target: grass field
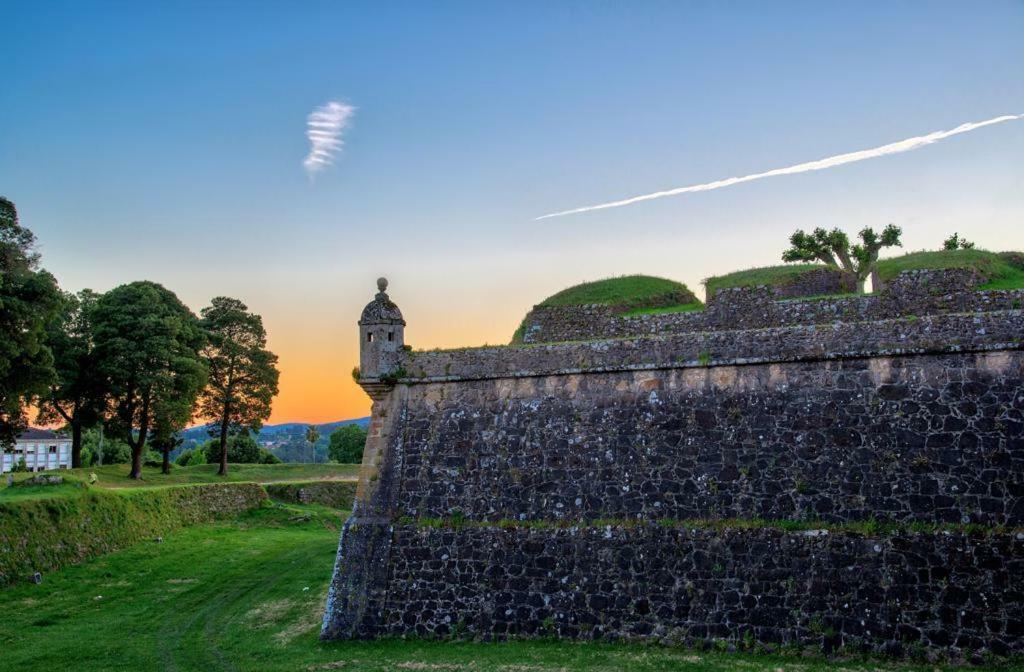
x=116 y=476
x=248 y=595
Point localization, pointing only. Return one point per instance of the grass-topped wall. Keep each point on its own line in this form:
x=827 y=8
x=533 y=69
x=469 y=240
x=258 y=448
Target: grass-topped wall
x=45 y=534
x=995 y=271
x=625 y=293
x=790 y=280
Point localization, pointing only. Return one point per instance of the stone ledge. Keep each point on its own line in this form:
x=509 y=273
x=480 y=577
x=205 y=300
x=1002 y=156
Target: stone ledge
x=937 y=334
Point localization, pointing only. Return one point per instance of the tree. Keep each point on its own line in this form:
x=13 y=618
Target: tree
x=147 y=346
x=76 y=394
x=833 y=248
x=164 y=437
x=242 y=449
x=243 y=373
x=955 y=242
x=29 y=302
x=347 y=444
x=312 y=436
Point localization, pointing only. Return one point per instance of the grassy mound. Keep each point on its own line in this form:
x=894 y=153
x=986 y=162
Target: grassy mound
x=335 y=494
x=248 y=594
x=627 y=292
x=44 y=534
x=773 y=276
x=999 y=270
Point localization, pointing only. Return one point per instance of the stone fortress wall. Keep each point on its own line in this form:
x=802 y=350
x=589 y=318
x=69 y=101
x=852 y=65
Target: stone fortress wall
x=847 y=484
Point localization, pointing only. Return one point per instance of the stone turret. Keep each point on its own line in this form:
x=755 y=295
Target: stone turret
x=381 y=336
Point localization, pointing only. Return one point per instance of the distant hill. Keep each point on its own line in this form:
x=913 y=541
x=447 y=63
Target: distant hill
x=200 y=433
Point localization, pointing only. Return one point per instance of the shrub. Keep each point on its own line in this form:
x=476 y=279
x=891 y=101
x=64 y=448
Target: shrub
x=242 y=449
x=191 y=458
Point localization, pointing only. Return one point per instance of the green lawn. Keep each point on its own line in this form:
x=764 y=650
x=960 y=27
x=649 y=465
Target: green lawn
x=116 y=476
x=248 y=595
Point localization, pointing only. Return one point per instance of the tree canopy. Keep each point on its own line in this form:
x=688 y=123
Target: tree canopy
x=147 y=351
x=242 y=449
x=833 y=248
x=29 y=302
x=347 y=444
x=243 y=374
x=76 y=394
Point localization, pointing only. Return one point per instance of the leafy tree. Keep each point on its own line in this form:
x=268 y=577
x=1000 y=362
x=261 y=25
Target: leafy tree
x=147 y=350
x=243 y=373
x=347 y=444
x=76 y=394
x=191 y=458
x=242 y=449
x=100 y=449
x=312 y=436
x=29 y=301
x=833 y=248
x=955 y=242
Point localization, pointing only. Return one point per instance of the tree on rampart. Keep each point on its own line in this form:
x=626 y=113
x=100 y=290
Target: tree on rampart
x=833 y=248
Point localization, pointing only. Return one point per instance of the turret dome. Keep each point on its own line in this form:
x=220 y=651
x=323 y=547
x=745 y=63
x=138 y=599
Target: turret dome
x=382 y=310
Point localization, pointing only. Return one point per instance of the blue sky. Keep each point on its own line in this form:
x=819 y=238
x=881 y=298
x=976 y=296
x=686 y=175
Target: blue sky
x=168 y=143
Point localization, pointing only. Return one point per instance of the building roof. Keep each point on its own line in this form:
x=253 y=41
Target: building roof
x=33 y=434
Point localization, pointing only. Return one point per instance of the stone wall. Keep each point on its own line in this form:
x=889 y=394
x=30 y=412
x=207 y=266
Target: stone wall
x=907 y=439
x=895 y=593
x=817 y=282
x=918 y=293
x=620 y=488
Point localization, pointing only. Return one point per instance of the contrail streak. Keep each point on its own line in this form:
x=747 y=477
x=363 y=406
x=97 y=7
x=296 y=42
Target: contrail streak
x=893 y=148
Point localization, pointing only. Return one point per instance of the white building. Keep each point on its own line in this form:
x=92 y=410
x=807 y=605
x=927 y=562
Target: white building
x=41 y=449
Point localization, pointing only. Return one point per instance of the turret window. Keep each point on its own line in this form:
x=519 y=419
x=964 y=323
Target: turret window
x=391 y=335
x=369 y=338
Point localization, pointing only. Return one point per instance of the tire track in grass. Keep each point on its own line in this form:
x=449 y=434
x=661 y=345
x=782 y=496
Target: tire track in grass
x=214 y=611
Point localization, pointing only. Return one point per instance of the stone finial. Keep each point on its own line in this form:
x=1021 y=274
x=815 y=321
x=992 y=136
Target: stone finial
x=382 y=284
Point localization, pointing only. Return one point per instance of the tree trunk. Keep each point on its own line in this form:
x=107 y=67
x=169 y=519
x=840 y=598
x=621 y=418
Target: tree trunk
x=76 y=445
x=876 y=282
x=224 y=443
x=166 y=468
x=136 y=471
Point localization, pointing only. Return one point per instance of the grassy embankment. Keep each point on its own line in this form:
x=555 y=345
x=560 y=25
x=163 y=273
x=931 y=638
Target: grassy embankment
x=248 y=594
x=646 y=295
x=773 y=276
x=46 y=527
x=627 y=295
x=1002 y=271
x=115 y=476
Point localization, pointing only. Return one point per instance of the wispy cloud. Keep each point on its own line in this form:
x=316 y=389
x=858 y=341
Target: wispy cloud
x=324 y=128
x=821 y=164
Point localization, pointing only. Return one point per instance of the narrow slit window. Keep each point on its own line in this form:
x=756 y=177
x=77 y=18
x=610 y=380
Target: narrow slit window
x=369 y=338
x=391 y=335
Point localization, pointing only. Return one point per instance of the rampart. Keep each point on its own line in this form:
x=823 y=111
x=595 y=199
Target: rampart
x=916 y=293
x=854 y=485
